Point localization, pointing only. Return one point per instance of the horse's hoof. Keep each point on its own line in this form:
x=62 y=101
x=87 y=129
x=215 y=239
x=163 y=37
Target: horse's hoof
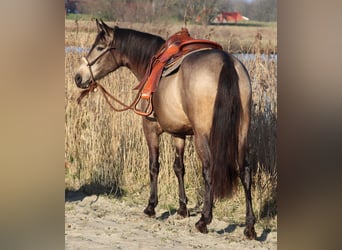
x=202 y=227
x=150 y=211
x=183 y=212
x=250 y=233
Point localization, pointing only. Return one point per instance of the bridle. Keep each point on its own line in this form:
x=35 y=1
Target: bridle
x=94 y=85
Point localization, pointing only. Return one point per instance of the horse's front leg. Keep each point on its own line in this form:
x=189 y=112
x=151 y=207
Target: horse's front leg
x=178 y=166
x=152 y=132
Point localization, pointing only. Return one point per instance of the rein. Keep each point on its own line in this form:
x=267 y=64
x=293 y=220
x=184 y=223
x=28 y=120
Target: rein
x=94 y=85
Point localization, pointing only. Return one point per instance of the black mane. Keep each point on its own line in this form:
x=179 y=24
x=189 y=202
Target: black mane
x=138 y=46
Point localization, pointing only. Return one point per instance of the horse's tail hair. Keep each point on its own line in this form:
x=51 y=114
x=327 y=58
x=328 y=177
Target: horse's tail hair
x=223 y=141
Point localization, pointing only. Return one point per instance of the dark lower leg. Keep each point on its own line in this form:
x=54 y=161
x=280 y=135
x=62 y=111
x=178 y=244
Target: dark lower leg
x=153 y=148
x=208 y=204
x=202 y=148
x=179 y=169
x=153 y=200
x=246 y=179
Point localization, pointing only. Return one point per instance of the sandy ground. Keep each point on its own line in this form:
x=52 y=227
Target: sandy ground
x=99 y=222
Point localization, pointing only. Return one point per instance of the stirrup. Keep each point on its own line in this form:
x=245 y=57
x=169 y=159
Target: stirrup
x=147 y=111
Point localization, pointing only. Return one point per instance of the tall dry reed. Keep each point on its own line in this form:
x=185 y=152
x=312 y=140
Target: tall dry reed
x=106 y=151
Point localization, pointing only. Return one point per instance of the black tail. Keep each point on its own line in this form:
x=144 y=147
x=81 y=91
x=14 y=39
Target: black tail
x=224 y=133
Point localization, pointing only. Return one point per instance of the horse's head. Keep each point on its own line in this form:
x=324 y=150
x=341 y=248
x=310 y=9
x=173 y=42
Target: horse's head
x=101 y=58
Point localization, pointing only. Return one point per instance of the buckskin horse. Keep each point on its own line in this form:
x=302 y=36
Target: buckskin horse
x=207 y=96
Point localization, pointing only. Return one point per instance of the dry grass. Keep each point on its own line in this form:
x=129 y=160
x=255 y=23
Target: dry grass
x=235 y=39
x=107 y=151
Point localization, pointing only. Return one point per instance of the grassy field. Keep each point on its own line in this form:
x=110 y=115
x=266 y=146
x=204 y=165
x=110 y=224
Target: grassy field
x=105 y=152
x=234 y=38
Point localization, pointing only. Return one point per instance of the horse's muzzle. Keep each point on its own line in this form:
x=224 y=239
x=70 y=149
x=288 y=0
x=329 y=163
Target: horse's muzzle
x=78 y=81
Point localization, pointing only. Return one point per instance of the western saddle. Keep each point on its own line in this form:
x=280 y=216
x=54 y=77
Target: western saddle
x=170 y=55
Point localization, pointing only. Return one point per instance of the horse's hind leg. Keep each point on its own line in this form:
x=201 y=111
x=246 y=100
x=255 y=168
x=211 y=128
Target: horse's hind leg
x=178 y=166
x=246 y=179
x=152 y=132
x=202 y=147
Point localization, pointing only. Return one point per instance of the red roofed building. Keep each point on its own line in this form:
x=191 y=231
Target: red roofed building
x=226 y=17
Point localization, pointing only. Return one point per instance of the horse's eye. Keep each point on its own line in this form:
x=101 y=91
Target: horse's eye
x=100 y=48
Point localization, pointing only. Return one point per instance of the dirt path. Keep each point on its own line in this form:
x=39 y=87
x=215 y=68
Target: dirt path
x=93 y=222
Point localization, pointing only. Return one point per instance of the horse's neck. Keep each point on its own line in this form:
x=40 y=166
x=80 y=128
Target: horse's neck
x=137 y=59
x=137 y=69
x=138 y=66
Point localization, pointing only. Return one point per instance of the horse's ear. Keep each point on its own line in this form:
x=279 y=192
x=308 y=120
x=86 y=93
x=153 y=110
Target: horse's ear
x=98 y=25
x=105 y=27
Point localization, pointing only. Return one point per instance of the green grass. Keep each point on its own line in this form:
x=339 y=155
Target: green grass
x=249 y=23
x=84 y=17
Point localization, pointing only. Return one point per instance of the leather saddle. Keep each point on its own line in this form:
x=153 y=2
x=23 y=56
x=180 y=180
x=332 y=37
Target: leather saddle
x=169 y=56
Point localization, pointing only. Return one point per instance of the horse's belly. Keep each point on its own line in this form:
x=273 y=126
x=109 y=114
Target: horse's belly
x=169 y=111
x=172 y=119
